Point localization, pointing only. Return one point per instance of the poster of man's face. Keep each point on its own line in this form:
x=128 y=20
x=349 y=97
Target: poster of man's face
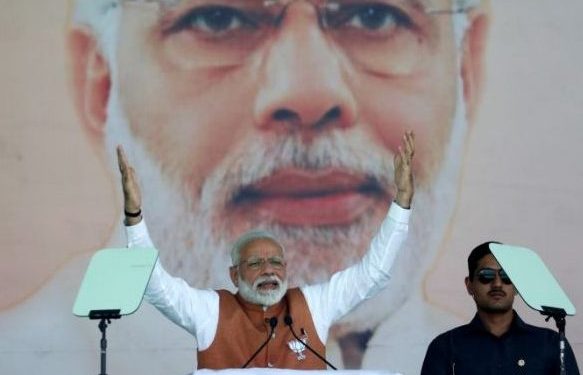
x=285 y=116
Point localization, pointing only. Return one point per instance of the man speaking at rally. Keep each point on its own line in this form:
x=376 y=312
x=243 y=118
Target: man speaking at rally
x=232 y=329
x=285 y=115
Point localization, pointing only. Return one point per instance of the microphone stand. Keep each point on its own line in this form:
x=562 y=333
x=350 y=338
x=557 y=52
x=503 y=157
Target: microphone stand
x=558 y=315
x=289 y=322
x=272 y=324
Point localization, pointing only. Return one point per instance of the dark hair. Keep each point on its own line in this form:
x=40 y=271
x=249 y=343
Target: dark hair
x=478 y=253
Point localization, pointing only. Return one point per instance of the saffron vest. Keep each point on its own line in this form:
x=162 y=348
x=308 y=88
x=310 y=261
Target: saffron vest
x=243 y=327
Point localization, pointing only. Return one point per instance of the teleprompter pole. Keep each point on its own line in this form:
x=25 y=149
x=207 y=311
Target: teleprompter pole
x=104 y=317
x=559 y=316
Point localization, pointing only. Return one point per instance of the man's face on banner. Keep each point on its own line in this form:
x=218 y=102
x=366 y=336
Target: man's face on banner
x=285 y=116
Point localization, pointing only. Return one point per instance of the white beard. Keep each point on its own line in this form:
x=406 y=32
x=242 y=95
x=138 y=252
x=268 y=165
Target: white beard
x=251 y=293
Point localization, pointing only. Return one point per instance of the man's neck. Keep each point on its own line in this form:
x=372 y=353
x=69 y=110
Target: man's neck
x=497 y=323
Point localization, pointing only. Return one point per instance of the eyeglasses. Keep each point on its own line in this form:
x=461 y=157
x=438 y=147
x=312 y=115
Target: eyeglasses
x=487 y=275
x=258 y=263
x=382 y=36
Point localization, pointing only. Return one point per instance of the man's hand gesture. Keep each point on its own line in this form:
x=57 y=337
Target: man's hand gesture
x=132 y=196
x=403 y=170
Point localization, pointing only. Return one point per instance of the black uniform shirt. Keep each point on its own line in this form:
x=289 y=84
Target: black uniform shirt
x=472 y=350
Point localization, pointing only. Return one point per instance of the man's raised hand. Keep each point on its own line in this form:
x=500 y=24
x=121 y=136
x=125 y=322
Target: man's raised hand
x=131 y=190
x=403 y=170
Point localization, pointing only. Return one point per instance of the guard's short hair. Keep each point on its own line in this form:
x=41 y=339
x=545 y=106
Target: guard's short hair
x=249 y=237
x=478 y=253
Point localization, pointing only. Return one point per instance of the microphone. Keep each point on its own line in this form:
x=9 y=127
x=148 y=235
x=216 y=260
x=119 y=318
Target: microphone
x=289 y=322
x=272 y=324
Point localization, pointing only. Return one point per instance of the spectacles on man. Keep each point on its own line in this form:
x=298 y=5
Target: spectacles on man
x=487 y=275
x=389 y=37
x=258 y=263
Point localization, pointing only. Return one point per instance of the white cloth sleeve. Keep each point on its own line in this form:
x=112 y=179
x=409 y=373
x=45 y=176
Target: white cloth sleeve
x=195 y=310
x=330 y=301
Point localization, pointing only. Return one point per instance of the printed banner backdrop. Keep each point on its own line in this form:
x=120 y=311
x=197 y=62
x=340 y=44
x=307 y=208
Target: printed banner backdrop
x=293 y=131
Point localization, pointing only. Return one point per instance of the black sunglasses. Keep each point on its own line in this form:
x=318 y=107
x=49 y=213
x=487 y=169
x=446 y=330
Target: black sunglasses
x=487 y=275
